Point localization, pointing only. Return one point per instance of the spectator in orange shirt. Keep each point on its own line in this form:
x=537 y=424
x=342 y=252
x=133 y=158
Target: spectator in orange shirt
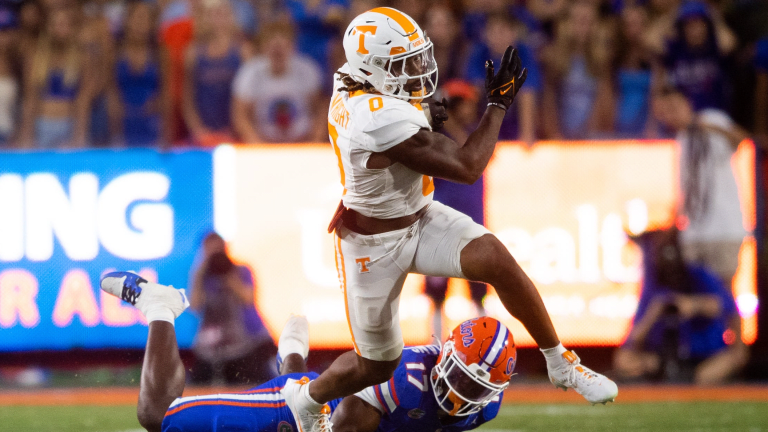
x=177 y=27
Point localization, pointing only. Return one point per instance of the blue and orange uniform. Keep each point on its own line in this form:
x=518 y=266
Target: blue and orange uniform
x=260 y=409
x=407 y=401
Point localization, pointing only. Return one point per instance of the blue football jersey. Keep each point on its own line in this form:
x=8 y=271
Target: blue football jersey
x=407 y=401
x=260 y=409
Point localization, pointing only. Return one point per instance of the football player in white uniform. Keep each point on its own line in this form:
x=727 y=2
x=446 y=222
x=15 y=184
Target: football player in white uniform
x=388 y=225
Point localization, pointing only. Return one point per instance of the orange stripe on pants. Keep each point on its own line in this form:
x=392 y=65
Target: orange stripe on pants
x=343 y=281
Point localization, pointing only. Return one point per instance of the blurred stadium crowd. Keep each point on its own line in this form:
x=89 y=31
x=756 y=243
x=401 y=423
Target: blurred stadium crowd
x=156 y=73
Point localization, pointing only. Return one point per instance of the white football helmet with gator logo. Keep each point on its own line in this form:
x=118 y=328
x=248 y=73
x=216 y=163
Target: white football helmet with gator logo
x=387 y=49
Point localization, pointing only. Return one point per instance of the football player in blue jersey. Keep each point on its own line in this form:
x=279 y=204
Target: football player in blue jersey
x=161 y=407
x=456 y=387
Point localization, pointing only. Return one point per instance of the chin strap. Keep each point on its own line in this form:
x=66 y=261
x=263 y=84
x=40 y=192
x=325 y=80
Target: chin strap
x=457 y=403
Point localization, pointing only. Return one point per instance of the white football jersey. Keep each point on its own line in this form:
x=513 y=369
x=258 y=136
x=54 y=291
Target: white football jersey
x=360 y=124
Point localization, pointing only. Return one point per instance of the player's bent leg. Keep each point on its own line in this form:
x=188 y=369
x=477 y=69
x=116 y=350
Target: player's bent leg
x=293 y=346
x=372 y=270
x=162 y=374
x=351 y=373
x=293 y=363
x=486 y=259
x=348 y=374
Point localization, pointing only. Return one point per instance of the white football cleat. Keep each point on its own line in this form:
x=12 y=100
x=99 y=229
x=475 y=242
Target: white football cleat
x=306 y=419
x=143 y=294
x=595 y=387
x=293 y=339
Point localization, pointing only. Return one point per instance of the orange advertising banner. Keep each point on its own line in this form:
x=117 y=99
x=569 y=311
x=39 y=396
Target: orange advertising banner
x=563 y=209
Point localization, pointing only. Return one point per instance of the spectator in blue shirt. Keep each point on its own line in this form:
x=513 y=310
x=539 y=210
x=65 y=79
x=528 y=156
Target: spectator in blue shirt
x=59 y=87
x=138 y=95
x=441 y=25
x=687 y=325
x=317 y=22
x=577 y=95
x=475 y=16
x=500 y=32
x=633 y=65
x=694 y=62
x=210 y=65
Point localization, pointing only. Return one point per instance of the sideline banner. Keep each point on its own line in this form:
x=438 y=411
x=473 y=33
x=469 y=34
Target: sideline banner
x=562 y=208
x=68 y=217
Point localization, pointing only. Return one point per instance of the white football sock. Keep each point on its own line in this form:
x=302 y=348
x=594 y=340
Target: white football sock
x=291 y=346
x=159 y=313
x=161 y=303
x=309 y=402
x=554 y=356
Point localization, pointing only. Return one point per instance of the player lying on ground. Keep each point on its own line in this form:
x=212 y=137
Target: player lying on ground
x=161 y=407
x=388 y=225
x=454 y=388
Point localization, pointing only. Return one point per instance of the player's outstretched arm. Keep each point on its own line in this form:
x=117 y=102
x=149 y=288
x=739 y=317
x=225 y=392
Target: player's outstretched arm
x=437 y=155
x=355 y=415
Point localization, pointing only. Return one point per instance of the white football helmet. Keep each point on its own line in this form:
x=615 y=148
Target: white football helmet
x=387 y=49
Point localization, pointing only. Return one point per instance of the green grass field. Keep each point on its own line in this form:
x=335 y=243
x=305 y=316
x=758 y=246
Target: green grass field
x=676 y=416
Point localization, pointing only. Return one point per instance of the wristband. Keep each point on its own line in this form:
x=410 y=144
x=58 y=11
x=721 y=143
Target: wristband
x=498 y=105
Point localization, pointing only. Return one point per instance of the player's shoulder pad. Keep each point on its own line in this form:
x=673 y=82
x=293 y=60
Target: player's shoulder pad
x=385 y=111
x=410 y=382
x=425 y=353
x=385 y=121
